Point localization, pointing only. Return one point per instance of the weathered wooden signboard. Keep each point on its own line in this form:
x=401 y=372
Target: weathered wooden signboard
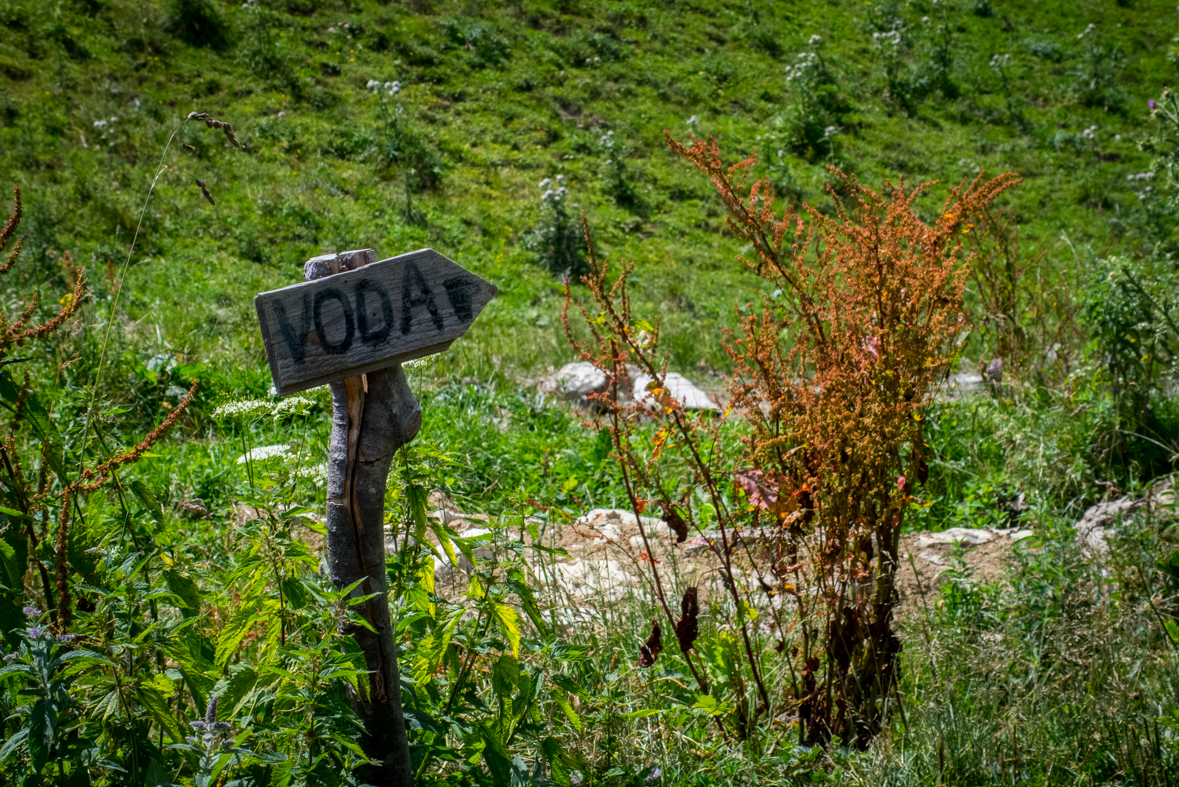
x=361 y=320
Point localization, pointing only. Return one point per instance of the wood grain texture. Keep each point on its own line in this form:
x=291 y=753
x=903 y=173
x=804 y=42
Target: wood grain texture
x=362 y=316
x=372 y=418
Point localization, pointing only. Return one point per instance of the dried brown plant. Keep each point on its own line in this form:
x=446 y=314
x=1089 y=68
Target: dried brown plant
x=53 y=494
x=831 y=376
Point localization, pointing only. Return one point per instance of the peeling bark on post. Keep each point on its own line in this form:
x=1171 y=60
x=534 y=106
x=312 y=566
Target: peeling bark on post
x=373 y=415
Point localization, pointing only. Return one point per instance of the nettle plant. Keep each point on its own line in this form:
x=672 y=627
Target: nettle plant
x=832 y=373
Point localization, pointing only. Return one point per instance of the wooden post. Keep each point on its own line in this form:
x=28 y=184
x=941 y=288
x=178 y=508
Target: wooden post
x=373 y=415
x=352 y=330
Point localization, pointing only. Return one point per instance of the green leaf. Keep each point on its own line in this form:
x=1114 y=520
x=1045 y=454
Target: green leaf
x=293 y=592
x=233 y=633
x=570 y=685
x=13 y=512
x=556 y=757
x=566 y=708
x=509 y=623
x=42 y=727
x=12 y=743
x=147 y=498
x=155 y=703
x=642 y=714
x=505 y=674
x=495 y=754
x=235 y=690
x=187 y=592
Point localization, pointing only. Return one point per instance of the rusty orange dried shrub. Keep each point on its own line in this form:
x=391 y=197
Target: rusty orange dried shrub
x=41 y=488
x=831 y=376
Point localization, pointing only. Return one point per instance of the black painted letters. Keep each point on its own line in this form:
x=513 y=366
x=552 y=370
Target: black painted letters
x=297 y=341
x=349 y=325
x=379 y=335
x=411 y=279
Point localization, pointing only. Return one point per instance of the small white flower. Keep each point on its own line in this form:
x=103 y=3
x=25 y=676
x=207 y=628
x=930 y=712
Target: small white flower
x=545 y=183
x=99 y=123
x=417 y=363
x=781 y=153
x=925 y=20
x=560 y=177
x=243 y=410
x=693 y=120
x=295 y=405
x=372 y=83
x=264 y=452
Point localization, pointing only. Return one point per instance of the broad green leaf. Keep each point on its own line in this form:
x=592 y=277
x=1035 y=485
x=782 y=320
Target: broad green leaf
x=566 y=708
x=505 y=674
x=642 y=714
x=570 y=685
x=233 y=692
x=509 y=623
x=556 y=757
x=495 y=754
x=42 y=728
x=233 y=633
x=149 y=697
x=186 y=591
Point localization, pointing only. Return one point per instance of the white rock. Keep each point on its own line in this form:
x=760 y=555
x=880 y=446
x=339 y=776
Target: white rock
x=678 y=387
x=575 y=381
x=970 y=535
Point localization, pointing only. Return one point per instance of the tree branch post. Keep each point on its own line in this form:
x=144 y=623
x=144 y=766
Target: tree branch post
x=373 y=415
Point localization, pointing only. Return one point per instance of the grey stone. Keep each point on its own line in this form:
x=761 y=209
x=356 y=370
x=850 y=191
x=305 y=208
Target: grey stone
x=678 y=387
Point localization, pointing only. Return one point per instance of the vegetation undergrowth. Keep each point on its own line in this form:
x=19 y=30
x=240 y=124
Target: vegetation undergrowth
x=164 y=611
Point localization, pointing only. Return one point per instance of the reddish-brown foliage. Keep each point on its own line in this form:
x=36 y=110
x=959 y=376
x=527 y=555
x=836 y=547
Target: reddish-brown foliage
x=831 y=377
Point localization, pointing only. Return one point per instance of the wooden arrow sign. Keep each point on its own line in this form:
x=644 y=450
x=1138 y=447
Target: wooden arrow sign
x=360 y=320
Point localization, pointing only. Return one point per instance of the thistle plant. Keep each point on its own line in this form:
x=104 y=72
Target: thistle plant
x=556 y=241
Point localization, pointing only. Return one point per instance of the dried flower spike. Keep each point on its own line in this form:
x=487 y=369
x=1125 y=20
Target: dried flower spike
x=205 y=191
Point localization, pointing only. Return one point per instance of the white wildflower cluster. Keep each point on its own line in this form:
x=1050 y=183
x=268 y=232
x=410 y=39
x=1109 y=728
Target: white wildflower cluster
x=888 y=37
x=607 y=142
x=249 y=4
x=1090 y=133
x=803 y=64
x=591 y=60
x=1086 y=31
x=265 y=452
x=242 y=410
x=376 y=86
x=999 y=62
x=317 y=473
x=693 y=120
x=293 y=406
x=925 y=20
x=418 y=363
x=1144 y=193
x=815 y=40
x=102 y=123
x=345 y=27
x=553 y=195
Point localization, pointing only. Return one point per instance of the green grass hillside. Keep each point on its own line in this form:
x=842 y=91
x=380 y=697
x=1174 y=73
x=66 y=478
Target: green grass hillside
x=496 y=97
